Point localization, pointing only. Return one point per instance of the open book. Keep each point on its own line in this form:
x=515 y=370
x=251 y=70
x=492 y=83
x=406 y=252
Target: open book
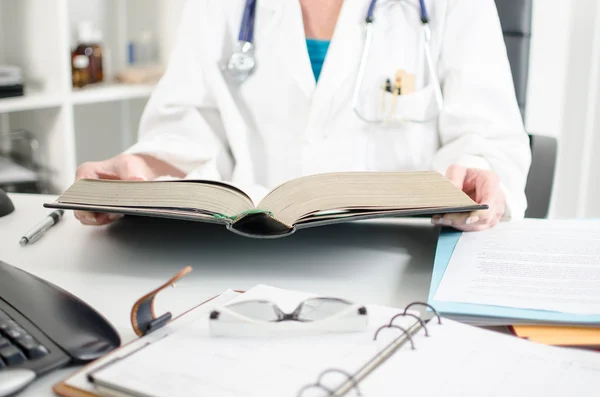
x=304 y=202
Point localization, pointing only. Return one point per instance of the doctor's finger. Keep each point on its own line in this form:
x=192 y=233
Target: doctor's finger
x=96 y=219
x=94 y=170
x=482 y=219
x=461 y=218
x=132 y=168
x=482 y=224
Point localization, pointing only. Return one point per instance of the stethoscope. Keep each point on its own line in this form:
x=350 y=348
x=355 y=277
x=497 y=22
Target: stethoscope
x=242 y=61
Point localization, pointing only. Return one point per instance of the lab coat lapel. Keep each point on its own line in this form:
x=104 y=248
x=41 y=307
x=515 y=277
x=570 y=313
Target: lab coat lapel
x=292 y=49
x=343 y=57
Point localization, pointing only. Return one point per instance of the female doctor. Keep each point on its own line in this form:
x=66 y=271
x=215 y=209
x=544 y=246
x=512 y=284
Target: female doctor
x=258 y=92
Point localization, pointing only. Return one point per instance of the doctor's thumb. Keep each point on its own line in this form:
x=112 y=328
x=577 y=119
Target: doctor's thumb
x=457 y=174
x=132 y=168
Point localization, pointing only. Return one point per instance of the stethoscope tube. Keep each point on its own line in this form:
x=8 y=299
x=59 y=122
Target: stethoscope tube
x=371 y=11
x=242 y=60
x=439 y=97
x=247 y=29
x=361 y=70
x=365 y=55
x=424 y=16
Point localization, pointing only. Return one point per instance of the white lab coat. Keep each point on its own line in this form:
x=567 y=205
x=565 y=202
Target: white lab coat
x=281 y=125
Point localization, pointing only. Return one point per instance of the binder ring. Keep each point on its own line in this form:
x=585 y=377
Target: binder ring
x=425 y=304
x=420 y=320
x=318 y=384
x=350 y=378
x=314 y=386
x=412 y=344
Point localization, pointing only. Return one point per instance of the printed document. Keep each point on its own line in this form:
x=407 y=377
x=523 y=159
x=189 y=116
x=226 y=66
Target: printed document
x=529 y=264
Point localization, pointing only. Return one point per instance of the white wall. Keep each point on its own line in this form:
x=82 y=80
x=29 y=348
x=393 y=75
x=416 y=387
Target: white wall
x=563 y=98
x=170 y=15
x=548 y=66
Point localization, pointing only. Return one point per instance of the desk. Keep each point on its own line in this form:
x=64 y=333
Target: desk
x=384 y=262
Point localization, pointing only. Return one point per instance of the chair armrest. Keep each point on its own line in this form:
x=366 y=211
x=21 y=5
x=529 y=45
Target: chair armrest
x=540 y=180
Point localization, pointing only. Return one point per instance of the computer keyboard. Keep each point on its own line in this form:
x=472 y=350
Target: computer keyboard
x=43 y=327
x=16 y=344
x=24 y=346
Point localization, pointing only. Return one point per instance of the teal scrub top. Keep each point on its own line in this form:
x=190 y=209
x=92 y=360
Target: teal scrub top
x=317 y=50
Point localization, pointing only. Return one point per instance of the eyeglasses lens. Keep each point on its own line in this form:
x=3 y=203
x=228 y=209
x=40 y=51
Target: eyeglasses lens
x=319 y=309
x=256 y=310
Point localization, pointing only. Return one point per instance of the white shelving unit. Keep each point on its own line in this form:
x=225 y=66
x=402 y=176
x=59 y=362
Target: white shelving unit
x=77 y=125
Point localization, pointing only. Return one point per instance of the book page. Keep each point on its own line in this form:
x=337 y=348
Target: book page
x=193 y=360
x=531 y=264
x=464 y=361
x=210 y=197
x=366 y=191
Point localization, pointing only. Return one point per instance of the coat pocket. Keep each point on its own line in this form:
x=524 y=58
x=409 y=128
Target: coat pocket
x=397 y=142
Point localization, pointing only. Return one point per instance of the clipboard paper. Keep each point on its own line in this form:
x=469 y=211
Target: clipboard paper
x=143 y=321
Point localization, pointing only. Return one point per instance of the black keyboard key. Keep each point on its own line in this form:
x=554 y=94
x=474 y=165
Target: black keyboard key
x=12 y=356
x=7 y=324
x=24 y=336
x=4 y=342
x=31 y=348
x=14 y=333
x=2 y=365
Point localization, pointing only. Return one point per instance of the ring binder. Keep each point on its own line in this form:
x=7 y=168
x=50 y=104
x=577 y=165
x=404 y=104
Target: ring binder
x=353 y=380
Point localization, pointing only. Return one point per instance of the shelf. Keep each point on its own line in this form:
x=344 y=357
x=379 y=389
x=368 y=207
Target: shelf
x=110 y=92
x=87 y=95
x=32 y=101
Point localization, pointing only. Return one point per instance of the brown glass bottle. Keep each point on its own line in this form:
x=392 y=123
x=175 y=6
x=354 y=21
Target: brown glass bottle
x=80 y=70
x=89 y=46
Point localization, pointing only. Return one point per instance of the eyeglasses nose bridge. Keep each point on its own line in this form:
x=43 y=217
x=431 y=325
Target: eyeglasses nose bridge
x=288 y=317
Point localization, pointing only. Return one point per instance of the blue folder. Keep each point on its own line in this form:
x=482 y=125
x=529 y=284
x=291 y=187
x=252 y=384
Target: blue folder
x=447 y=242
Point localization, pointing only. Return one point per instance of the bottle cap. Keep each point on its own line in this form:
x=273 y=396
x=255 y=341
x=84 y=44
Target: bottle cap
x=97 y=36
x=86 y=32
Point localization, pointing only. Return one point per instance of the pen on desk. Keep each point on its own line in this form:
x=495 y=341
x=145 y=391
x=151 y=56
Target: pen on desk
x=34 y=234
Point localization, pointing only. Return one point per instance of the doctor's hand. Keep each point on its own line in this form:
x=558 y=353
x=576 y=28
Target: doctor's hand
x=483 y=187
x=122 y=167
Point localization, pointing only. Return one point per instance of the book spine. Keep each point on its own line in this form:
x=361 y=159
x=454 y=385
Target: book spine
x=260 y=225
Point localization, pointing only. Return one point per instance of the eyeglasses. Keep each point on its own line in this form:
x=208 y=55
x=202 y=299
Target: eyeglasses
x=265 y=318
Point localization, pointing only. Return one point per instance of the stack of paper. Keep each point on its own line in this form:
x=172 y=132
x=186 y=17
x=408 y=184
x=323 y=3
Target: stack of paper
x=531 y=272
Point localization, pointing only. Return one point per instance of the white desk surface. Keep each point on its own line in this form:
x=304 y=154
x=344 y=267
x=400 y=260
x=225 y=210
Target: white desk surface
x=384 y=262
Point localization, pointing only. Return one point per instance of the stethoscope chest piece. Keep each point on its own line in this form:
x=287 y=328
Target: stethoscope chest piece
x=242 y=61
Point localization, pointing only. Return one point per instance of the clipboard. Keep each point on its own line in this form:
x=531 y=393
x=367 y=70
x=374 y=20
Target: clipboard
x=407 y=338
x=144 y=322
